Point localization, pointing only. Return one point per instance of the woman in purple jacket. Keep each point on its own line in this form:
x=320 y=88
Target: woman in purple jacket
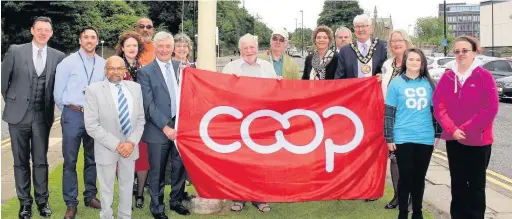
x=465 y=104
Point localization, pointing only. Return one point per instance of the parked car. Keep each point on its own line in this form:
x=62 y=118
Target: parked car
x=438 y=62
x=505 y=87
x=295 y=54
x=497 y=66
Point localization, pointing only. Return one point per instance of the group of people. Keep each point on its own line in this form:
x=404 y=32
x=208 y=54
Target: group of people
x=123 y=111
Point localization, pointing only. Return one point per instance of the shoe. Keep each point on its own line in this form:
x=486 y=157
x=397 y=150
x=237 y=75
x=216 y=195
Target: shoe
x=371 y=200
x=25 y=212
x=94 y=203
x=392 y=204
x=139 y=201
x=179 y=208
x=187 y=197
x=44 y=210
x=71 y=213
x=160 y=216
x=417 y=215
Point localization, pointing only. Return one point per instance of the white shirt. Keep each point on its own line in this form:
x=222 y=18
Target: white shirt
x=260 y=69
x=368 y=43
x=164 y=69
x=129 y=98
x=35 y=49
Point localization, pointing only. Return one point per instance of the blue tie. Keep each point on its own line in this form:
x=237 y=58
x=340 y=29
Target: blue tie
x=124 y=113
x=170 y=87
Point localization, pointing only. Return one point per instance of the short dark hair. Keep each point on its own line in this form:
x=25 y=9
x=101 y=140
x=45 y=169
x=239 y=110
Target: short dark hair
x=89 y=28
x=42 y=19
x=470 y=40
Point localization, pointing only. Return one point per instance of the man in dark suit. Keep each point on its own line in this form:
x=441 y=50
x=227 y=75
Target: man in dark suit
x=28 y=76
x=159 y=84
x=363 y=58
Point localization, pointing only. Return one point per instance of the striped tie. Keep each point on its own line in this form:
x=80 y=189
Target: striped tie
x=124 y=114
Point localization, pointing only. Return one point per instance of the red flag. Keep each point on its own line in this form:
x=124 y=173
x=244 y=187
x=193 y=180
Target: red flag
x=257 y=139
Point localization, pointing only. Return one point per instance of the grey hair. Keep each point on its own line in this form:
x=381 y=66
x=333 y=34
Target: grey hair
x=144 y=18
x=406 y=38
x=362 y=18
x=183 y=38
x=247 y=37
x=162 y=35
x=342 y=29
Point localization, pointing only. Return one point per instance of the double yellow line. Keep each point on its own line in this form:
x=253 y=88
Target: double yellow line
x=7 y=142
x=492 y=176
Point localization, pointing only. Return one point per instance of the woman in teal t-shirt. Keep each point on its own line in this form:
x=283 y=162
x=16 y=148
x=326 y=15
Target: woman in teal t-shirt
x=410 y=128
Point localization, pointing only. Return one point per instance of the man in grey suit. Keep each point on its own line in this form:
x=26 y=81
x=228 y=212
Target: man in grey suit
x=159 y=83
x=28 y=76
x=365 y=56
x=114 y=118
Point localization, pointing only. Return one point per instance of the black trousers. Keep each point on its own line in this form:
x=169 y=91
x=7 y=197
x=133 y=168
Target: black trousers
x=158 y=154
x=30 y=138
x=468 y=165
x=413 y=161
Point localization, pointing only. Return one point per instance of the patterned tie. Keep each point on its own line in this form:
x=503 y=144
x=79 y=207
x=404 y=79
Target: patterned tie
x=170 y=87
x=124 y=114
x=39 y=62
x=365 y=50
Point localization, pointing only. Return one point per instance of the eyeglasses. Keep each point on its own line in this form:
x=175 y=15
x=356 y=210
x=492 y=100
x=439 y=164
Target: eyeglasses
x=397 y=41
x=120 y=69
x=361 y=26
x=141 y=26
x=275 y=38
x=464 y=51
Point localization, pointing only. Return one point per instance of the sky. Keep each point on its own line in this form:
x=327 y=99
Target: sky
x=282 y=13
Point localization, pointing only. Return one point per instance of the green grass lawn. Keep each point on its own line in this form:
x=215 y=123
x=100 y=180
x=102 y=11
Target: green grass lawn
x=319 y=209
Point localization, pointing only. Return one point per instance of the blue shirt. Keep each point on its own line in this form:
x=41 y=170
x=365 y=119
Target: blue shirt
x=278 y=65
x=71 y=78
x=413 y=119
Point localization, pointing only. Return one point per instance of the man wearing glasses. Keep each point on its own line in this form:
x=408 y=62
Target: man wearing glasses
x=74 y=74
x=283 y=64
x=145 y=29
x=114 y=117
x=365 y=57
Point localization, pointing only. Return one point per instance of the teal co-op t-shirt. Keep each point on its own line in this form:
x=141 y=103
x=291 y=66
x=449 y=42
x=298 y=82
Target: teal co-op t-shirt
x=413 y=119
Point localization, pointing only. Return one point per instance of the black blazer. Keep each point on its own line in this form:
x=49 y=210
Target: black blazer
x=157 y=104
x=17 y=70
x=329 y=72
x=348 y=63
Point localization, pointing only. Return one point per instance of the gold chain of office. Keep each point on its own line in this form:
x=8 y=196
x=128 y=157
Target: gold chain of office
x=366 y=69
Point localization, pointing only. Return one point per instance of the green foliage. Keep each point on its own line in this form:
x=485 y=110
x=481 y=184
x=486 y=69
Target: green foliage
x=430 y=31
x=339 y=13
x=111 y=18
x=296 y=38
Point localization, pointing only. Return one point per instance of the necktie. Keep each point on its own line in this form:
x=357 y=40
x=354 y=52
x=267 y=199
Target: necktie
x=39 y=62
x=122 y=109
x=170 y=87
x=365 y=50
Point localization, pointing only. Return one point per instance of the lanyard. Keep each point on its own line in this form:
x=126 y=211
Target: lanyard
x=85 y=69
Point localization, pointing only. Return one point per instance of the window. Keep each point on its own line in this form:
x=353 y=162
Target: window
x=460 y=18
x=442 y=62
x=499 y=65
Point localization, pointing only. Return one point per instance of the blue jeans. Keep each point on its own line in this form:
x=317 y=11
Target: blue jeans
x=73 y=132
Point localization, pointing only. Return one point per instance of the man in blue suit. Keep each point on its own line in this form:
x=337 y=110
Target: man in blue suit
x=159 y=83
x=365 y=56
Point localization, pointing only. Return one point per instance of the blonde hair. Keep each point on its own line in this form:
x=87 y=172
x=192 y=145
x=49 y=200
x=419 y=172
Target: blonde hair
x=406 y=38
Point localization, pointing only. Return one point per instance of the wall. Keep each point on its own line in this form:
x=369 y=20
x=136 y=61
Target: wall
x=502 y=24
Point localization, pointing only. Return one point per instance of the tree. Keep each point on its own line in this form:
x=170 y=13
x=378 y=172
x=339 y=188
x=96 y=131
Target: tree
x=339 y=13
x=430 y=32
x=297 y=38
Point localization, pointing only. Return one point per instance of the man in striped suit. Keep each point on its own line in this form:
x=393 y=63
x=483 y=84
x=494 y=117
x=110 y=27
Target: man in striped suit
x=114 y=118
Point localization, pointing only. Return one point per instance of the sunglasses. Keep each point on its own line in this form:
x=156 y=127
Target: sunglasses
x=281 y=39
x=141 y=26
x=464 y=51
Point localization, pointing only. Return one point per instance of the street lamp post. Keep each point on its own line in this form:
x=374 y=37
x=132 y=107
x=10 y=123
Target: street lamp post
x=492 y=27
x=102 y=48
x=445 y=42
x=302 y=33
